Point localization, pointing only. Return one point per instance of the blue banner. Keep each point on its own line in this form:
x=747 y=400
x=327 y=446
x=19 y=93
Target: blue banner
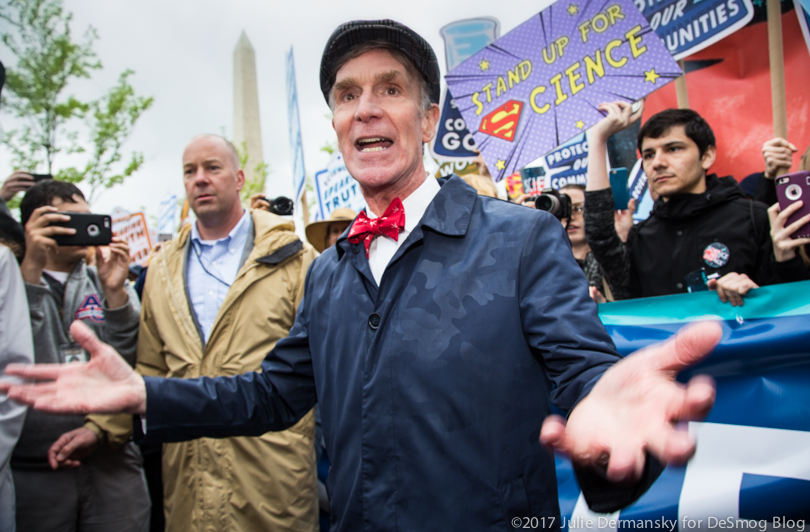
x=752 y=465
x=568 y=164
x=803 y=14
x=167 y=215
x=296 y=146
x=687 y=26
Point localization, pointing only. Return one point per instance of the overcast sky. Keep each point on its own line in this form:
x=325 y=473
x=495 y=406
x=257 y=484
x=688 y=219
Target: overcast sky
x=182 y=53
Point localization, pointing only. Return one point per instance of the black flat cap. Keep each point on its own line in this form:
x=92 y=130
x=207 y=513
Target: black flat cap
x=401 y=37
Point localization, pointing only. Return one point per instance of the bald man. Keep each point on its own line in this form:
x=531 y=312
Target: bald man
x=216 y=300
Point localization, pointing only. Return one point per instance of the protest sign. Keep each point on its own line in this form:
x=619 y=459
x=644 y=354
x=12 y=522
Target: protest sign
x=539 y=85
x=532 y=180
x=752 y=461
x=803 y=15
x=296 y=147
x=336 y=188
x=687 y=26
x=639 y=189
x=461 y=40
x=567 y=164
x=167 y=216
x=459 y=167
x=133 y=229
x=514 y=185
x=735 y=92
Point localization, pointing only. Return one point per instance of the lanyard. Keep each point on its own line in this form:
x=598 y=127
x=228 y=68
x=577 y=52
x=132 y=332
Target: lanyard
x=199 y=260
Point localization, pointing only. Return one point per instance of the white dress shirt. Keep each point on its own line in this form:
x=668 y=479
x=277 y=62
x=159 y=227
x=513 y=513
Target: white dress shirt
x=382 y=248
x=212 y=268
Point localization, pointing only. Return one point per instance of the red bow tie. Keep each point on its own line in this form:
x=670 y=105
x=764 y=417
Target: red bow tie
x=389 y=224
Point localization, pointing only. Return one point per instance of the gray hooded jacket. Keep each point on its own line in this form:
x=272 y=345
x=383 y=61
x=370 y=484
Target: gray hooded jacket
x=52 y=313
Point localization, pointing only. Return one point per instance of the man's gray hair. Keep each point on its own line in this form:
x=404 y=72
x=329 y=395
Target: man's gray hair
x=410 y=67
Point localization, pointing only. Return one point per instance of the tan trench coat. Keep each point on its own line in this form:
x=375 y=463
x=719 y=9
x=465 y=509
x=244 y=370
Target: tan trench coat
x=236 y=484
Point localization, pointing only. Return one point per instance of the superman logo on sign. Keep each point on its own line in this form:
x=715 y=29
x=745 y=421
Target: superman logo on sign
x=503 y=121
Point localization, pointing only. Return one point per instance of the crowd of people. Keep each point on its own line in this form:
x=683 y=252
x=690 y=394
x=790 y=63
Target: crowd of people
x=432 y=332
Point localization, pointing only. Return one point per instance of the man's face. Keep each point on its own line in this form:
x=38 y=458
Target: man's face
x=334 y=231
x=576 y=226
x=378 y=120
x=211 y=177
x=673 y=163
x=70 y=254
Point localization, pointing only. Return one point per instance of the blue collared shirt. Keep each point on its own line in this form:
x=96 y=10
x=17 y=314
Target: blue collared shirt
x=212 y=268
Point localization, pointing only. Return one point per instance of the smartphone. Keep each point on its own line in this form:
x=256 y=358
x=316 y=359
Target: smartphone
x=791 y=188
x=91 y=230
x=41 y=177
x=618 y=183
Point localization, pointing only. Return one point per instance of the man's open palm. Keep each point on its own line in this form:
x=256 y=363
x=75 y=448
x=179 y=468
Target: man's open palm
x=634 y=407
x=105 y=384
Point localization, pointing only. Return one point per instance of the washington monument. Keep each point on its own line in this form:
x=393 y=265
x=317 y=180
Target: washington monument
x=247 y=131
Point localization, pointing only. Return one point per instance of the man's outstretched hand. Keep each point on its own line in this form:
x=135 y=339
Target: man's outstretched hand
x=104 y=385
x=634 y=407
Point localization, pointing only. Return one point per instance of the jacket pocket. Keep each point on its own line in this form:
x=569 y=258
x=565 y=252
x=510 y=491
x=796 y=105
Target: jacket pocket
x=515 y=502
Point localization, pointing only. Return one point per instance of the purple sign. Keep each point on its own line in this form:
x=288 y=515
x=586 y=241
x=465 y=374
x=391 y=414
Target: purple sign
x=540 y=84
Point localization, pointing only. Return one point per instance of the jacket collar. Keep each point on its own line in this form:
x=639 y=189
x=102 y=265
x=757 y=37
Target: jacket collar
x=681 y=206
x=271 y=240
x=268 y=233
x=448 y=214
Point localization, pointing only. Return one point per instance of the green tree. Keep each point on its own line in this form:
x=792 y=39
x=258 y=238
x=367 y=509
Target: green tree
x=54 y=122
x=255 y=184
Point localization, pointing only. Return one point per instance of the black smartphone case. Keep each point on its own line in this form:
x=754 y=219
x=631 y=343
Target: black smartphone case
x=91 y=230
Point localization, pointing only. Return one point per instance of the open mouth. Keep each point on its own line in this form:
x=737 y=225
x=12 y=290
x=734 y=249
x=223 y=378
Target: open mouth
x=369 y=144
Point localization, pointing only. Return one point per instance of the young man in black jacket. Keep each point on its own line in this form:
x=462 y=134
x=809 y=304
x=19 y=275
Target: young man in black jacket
x=701 y=227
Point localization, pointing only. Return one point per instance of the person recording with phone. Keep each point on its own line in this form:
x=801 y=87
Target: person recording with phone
x=56 y=487
x=791 y=252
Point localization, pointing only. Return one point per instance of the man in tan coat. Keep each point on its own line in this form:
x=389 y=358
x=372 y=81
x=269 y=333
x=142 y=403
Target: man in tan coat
x=216 y=300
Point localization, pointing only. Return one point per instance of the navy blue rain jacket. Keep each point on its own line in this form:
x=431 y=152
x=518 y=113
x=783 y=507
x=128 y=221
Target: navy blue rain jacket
x=432 y=386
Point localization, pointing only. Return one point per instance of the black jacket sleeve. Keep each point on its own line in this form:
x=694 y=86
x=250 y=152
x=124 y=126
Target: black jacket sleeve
x=604 y=496
x=608 y=249
x=789 y=271
x=766 y=191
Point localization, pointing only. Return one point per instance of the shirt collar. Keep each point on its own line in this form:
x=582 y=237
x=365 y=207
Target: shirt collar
x=417 y=203
x=447 y=209
x=238 y=231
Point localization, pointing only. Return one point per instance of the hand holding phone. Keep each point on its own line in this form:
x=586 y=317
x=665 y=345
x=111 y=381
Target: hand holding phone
x=40 y=233
x=792 y=188
x=17 y=182
x=91 y=229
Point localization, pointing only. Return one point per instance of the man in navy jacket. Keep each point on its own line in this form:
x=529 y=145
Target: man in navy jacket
x=437 y=341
